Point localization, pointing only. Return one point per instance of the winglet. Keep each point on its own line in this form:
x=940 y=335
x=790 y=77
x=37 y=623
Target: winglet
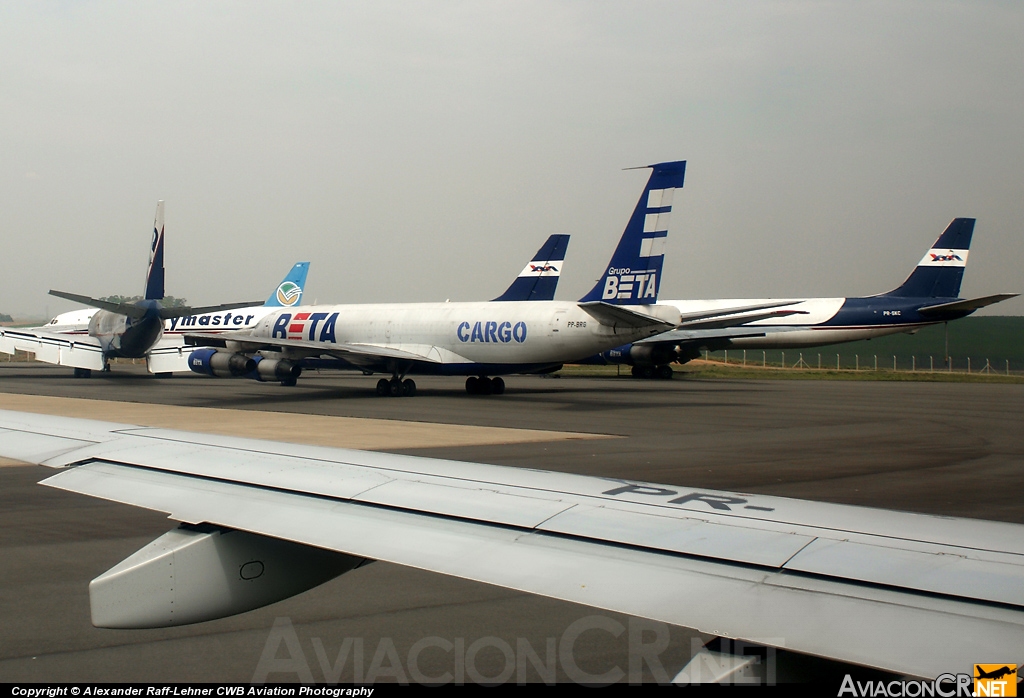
x=539 y=278
x=633 y=275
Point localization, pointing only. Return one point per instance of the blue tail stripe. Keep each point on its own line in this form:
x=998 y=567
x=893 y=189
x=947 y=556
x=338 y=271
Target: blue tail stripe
x=533 y=286
x=289 y=291
x=633 y=276
x=155 y=277
x=552 y=250
x=940 y=281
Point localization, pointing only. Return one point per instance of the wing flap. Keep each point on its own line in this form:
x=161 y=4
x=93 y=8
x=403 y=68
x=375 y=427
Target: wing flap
x=77 y=350
x=36 y=448
x=690 y=536
x=936 y=572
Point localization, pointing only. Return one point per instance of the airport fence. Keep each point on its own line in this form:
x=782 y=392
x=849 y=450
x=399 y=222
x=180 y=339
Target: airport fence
x=839 y=361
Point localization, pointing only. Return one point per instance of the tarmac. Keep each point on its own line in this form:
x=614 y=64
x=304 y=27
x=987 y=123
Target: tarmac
x=954 y=449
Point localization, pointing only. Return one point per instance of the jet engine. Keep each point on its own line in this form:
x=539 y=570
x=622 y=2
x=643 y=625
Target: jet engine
x=198 y=573
x=276 y=369
x=211 y=362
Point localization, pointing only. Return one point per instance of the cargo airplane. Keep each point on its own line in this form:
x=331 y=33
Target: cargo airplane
x=929 y=296
x=87 y=339
x=259 y=521
x=482 y=340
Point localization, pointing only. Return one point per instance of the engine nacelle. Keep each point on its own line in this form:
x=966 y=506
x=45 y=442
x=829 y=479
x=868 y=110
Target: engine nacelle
x=195 y=574
x=651 y=354
x=211 y=362
x=276 y=369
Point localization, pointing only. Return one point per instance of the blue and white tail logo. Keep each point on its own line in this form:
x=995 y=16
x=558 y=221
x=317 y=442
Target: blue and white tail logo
x=940 y=271
x=539 y=278
x=633 y=276
x=289 y=293
x=155 y=271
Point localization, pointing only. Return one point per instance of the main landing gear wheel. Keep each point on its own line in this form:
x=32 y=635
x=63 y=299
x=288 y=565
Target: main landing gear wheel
x=289 y=382
x=396 y=387
x=482 y=385
x=662 y=372
x=82 y=373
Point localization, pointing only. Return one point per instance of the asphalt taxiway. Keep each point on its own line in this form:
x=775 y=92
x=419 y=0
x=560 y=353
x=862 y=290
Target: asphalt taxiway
x=944 y=448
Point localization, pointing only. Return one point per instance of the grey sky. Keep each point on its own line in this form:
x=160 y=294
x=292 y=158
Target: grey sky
x=424 y=151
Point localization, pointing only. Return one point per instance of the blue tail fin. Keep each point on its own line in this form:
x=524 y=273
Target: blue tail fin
x=539 y=279
x=940 y=271
x=633 y=276
x=155 y=272
x=289 y=293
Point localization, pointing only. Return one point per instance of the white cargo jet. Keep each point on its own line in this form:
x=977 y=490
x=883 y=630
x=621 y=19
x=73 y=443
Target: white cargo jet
x=480 y=340
x=261 y=521
x=929 y=296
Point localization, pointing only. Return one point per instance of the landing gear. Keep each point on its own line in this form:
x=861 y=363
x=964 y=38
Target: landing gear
x=289 y=382
x=82 y=373
x=166 y=374
x=483 y=385
x=396 y=387
x=662 y=372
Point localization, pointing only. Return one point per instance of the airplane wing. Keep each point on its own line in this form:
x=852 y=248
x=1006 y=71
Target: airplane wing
x=910 y=593
x=686 y=335
x=357 y=353
x=970 y=304
x=76 y=350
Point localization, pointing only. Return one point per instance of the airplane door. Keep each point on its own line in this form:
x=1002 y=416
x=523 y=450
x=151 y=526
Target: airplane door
x=556 y=330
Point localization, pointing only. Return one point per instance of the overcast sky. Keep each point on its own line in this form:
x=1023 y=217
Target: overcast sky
x=423 y=151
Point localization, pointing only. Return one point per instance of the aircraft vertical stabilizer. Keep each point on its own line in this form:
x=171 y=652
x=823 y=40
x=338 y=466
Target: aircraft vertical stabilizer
x=155 y=272
x=940 y=271
x=633 y=276
x=539 y=278
x=290 y=291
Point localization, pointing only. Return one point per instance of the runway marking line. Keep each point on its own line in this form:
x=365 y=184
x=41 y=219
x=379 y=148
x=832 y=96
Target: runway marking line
x=318 y=430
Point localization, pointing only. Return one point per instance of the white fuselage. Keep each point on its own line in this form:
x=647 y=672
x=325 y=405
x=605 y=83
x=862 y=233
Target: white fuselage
x=806 y=329
x=520 y=332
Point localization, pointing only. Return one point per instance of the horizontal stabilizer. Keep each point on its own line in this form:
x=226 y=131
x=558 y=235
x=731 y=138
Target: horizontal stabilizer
x=139 y=311
x=132 y=311
x=617 y=316
x=168 y=313
x=967 y=305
